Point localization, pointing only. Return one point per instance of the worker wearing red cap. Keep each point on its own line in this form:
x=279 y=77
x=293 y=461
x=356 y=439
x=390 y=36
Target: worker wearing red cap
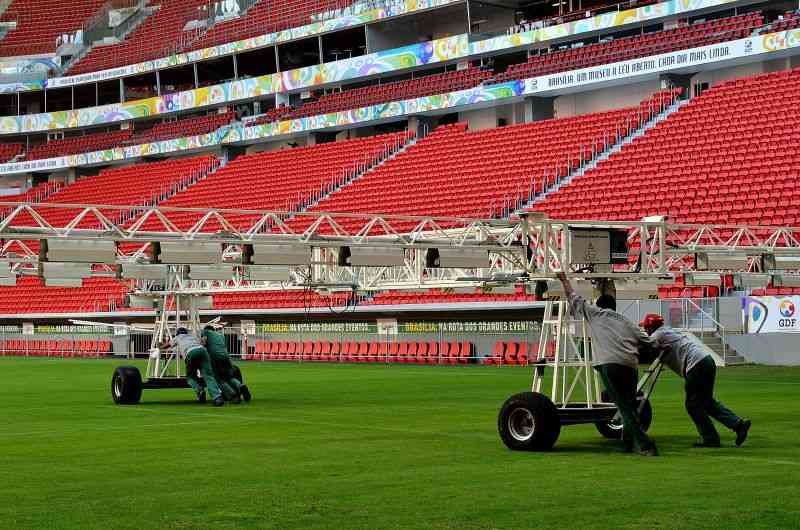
x=616 y=345
x=691 y=361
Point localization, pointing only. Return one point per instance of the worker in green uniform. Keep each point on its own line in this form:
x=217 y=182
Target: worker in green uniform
x=696 y=366
x=197 y=359
x=616 y=344
x=233 y=389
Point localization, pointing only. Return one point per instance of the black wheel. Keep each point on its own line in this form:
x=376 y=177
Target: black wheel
x=612 y=428
x=529 y=422
x=237 y=374
x=126 y=385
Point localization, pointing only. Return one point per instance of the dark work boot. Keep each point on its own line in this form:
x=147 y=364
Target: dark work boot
x=741 y=431
x=218 y=401
x=649 y=451
x=245 y=393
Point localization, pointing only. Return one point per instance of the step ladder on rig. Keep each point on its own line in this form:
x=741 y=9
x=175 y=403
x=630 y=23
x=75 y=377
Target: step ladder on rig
x=532 y=421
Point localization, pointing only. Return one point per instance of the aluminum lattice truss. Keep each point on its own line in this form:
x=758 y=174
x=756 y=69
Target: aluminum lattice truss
x=528 y=247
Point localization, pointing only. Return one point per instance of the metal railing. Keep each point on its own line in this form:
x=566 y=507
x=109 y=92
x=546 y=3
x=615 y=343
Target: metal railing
x=699 y=316
x=705 y=318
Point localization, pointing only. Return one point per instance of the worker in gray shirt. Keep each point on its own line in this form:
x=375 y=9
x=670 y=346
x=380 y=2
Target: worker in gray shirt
x=616 y=343
x=692 y=362
x=197 y=359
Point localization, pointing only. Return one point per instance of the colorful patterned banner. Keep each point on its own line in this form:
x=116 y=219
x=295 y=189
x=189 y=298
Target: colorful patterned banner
x=545 y=85
x=28 y=86
x=27 y=65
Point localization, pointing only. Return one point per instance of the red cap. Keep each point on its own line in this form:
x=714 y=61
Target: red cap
x=652 y=322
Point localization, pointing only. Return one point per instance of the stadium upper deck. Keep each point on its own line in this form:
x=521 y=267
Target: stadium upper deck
x=334 y=37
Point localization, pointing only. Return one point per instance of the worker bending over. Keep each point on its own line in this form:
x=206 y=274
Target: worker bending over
x=692 y=362
x=197 y=359
x=232 y=388
x=616 y=342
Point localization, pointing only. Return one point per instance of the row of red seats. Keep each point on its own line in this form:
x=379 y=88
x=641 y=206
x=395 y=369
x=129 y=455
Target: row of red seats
x=41 y=22
x=84 y=143
x=379 y=93
x=436 y=296
x=396 y=91
x=678 y=291
x=695 y=165
x=513 y=353
x=665 y=41
x=31 y=296
x=777 y=291
x=787 y=21
x=365 y=352
x=280 y=299
x=278 y=180
x=134 y=185
x=185 y=127
x=38 y=193
x=594 y=9
x=10 y=150
x=162 y=33
x=455 y=162
x=56 y=347
x=108 y=140
x=267 y=16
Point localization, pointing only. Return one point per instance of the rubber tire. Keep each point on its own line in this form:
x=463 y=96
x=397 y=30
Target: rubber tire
x=126 y=385
x=237 y=373
x=609 y=429
x=546 y=423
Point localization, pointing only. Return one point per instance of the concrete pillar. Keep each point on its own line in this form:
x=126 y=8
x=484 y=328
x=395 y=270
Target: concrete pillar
x=539 y=108
x=421 y=125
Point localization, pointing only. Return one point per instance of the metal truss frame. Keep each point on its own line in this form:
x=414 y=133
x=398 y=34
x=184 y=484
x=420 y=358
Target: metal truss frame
x=521 y=249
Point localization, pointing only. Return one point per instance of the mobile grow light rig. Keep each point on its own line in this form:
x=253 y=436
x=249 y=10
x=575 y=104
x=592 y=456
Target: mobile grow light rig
x=176 y=271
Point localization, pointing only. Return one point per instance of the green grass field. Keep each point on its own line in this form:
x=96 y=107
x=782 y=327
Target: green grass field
x=374 y=447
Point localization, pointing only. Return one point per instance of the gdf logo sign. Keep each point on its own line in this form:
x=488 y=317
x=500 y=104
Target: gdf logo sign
x=787 y=310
